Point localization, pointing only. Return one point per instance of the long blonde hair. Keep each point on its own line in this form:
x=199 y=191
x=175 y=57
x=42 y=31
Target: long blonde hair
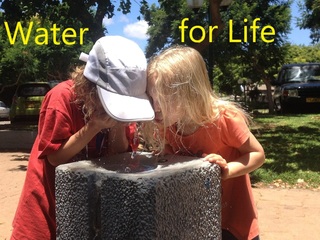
x=180 y=75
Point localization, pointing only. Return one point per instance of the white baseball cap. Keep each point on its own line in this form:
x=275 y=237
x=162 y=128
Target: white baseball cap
x=118 y=67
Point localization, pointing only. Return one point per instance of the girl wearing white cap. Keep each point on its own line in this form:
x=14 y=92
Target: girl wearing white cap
x=82 y=118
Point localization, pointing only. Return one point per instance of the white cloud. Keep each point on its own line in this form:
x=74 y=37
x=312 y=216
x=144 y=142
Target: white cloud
x=137 y=30
x=107 y=21
x=123 y=19
x=115 y=20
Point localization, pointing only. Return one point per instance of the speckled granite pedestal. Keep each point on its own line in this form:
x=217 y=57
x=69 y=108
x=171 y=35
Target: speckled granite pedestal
x=164 y=198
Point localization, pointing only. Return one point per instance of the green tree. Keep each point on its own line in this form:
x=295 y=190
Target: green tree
x=164 y=21
x=258 y=60
x=302 y=54
x=66 y=12
x=310 y=18
x=20 y=62
x=50 y=61
x=255 y=60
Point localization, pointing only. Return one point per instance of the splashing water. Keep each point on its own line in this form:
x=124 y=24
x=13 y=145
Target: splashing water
x=133 y=154
x=134 y=144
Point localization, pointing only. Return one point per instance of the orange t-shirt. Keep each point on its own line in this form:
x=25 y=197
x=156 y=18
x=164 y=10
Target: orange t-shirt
x=224 y=137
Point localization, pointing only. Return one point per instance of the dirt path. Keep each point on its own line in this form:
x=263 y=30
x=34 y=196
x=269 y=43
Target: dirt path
x=13 y=167
x=283 y=213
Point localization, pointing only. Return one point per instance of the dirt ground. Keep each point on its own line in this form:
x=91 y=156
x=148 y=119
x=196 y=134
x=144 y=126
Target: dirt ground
x=13 y=166
x=283 y=213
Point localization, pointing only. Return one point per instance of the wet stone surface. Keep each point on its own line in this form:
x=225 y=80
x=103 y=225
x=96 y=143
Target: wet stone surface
x=175 y=197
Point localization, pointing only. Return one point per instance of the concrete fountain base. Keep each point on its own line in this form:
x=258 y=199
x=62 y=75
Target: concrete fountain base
x=171 y=197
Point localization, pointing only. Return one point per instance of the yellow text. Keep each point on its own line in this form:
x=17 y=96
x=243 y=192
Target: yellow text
x=68 y=36
x=267 y=33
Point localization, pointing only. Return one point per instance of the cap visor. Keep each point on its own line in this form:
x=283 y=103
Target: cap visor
x=126 y=108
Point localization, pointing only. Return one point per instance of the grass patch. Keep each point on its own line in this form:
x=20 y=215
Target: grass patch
x=292 y=148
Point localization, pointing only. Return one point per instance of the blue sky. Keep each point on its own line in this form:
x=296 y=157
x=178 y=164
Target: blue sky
x=128 y=26
x=298 y=36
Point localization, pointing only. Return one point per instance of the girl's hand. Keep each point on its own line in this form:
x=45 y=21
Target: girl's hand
x=215 y=158
x=102 y=121
x=251 y=157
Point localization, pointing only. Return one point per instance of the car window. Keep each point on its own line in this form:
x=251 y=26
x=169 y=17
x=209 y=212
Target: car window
x=293 y=74
x=33 y=90
x=302 y=73
x=2 y=104
x=314 y=73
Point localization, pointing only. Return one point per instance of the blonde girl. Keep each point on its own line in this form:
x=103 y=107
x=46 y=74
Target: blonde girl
x=192 y=120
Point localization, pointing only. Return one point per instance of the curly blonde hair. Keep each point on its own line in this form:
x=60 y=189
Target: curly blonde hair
x=181 y=78
x=86 y=93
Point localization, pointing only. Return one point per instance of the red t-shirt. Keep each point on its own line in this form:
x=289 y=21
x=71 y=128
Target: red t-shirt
x=239 y=214
x=59 y=119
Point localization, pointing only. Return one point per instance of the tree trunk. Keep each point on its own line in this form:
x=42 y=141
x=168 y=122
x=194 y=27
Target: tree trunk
x=269 y=96
x=215 y=20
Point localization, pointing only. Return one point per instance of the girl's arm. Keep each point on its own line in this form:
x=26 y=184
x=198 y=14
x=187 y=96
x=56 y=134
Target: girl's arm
x=81 y=138
x=252 y=157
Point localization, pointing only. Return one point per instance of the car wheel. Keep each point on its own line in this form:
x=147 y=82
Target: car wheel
x=14 y=120
x=277 y=106
x=281 y=107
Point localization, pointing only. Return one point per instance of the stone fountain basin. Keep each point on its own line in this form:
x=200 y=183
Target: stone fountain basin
x=144 y=162
x=147 y=197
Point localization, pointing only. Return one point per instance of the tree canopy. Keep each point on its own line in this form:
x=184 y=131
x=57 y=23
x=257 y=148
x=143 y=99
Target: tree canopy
x=302 y=54
x=87 y=13
x=37 y=59
x=20 y=62
x=239 y=52
x=311 y=18
x=249 y=40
